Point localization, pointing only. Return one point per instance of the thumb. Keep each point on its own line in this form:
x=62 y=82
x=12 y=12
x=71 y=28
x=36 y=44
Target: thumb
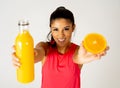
x=13 y=47
x=82 y=49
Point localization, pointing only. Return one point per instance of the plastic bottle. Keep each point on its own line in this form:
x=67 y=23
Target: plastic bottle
x=95 y=43
x=24 y=45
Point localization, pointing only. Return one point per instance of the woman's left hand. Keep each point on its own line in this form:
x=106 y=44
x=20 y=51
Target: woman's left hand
x=84 y=57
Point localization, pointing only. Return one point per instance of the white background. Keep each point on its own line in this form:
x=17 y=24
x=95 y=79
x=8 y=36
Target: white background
x=102 y=16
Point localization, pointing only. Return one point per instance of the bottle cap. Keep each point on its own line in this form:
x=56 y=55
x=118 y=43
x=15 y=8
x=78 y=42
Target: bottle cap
x=23 y=22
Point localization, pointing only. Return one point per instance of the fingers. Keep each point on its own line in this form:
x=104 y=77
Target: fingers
x=15 y=61
x=107 y=48
x=98 y=56
x=13 y=47
x=104 y=52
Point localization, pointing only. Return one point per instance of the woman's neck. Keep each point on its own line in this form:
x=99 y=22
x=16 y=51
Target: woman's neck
x=63 y=49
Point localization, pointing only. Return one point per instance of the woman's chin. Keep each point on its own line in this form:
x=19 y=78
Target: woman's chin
x=61 y=44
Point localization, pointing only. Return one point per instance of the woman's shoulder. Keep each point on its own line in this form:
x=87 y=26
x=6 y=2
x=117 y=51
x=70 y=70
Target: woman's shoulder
x=42 y=44
x=76 y=45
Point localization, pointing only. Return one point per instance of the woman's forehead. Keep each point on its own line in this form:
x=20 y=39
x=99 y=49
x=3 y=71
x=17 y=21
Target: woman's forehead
x=61 y=21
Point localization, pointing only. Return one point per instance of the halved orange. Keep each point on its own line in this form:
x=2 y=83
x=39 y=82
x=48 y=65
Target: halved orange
x=94 y=43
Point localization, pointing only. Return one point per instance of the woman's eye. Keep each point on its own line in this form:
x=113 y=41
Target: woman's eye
x=66 y=28
x=55 y=29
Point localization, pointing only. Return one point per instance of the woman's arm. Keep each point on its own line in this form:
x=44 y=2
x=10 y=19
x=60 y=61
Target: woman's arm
x=82 y=56
x=39 y=54
x=40 y=51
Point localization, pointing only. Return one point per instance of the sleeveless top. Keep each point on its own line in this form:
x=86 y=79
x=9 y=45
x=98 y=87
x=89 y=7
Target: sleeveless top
x=59 y=70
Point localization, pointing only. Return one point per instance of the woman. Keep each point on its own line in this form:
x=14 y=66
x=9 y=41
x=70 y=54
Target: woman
x=61 y=59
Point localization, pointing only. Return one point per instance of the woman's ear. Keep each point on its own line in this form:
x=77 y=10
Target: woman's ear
x=74 y=27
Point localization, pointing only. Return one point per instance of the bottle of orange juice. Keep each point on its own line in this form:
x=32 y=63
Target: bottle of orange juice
x=95 y=43
x=25 y=52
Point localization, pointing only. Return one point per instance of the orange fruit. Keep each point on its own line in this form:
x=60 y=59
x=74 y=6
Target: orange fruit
x=95 y=43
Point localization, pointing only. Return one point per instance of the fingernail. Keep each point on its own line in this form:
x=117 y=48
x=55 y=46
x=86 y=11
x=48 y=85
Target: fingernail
x=17 y=59
x=18 y=64
x=16 y=67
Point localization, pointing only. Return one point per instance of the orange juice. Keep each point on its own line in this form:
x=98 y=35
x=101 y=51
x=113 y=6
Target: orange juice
x=95 y=43
x=25 y=52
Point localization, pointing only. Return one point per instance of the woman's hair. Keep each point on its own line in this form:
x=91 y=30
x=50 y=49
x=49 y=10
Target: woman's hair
x=60 y=12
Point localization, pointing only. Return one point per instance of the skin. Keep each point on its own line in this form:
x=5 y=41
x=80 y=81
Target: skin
x=61 y=30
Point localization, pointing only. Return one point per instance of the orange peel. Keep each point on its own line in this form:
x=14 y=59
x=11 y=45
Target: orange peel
x=95 y=43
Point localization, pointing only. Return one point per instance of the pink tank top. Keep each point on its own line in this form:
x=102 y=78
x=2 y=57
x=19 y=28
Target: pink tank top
x=59 y=70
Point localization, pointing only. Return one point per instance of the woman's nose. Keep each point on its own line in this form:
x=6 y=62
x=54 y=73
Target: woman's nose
x=61 y=33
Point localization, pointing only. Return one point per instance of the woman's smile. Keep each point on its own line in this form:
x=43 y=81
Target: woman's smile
x=62 y=31
x=61 y=40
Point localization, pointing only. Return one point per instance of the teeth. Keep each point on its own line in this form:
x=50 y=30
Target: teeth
x=61 y=40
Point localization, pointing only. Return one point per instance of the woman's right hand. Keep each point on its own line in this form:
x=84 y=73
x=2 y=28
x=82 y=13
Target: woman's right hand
x=15 y=59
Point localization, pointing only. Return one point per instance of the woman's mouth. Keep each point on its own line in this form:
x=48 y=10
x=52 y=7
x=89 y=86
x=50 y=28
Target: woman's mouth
x=61 y=39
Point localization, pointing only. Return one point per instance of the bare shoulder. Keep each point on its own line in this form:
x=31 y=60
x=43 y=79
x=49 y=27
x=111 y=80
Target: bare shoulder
x=42 y=44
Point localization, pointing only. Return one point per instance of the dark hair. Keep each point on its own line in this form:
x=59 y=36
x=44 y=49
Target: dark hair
x=60 y=12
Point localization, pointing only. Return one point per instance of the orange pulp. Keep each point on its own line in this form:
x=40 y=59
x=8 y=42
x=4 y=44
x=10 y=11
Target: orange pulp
x=95 y=43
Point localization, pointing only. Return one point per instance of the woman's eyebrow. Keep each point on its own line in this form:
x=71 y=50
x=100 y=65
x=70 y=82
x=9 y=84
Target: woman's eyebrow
x=67 y=26
x=53 y=27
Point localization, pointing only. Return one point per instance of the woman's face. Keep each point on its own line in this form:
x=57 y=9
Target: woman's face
x=61 y=30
